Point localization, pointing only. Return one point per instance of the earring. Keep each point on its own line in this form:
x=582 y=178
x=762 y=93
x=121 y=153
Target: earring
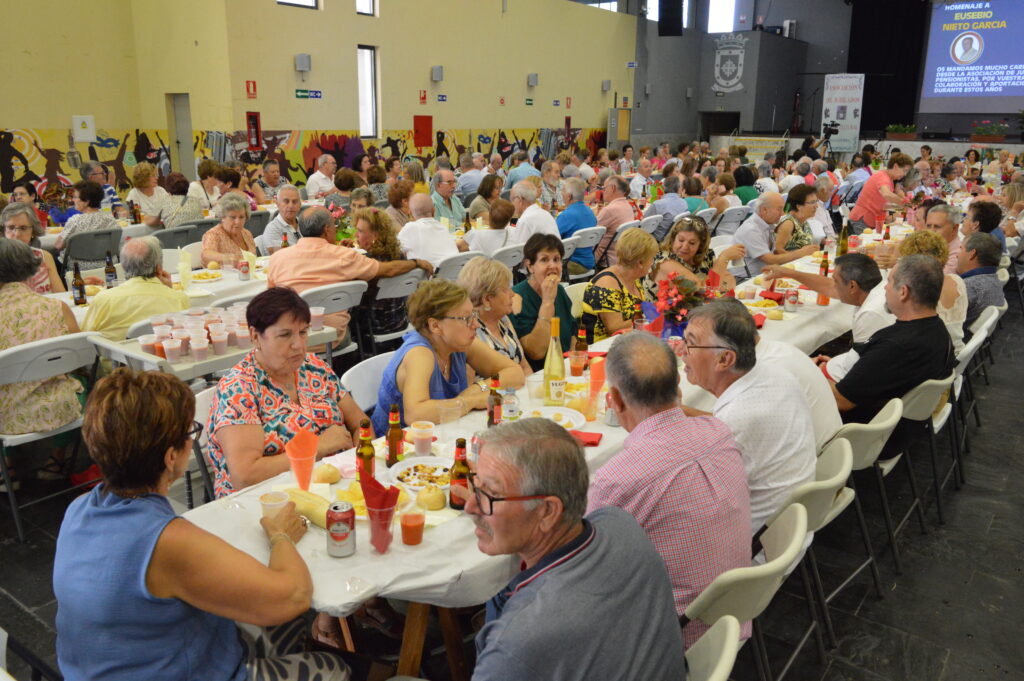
x=487 y=308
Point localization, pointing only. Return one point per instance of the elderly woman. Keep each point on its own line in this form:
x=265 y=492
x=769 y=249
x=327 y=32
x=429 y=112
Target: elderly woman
x=414 y=172
x=489 y=283
x=345 y=180
x=226 y=241
x=494 y=236
x=153 y=575
x=21 y=223
x=361 y=164
x=792 y=232
x=611 y=297
x=150 y=198
x=377 y=181
x=206 y=189
x=276 y=390
x=87 y=197
x=398 y=197
x=26 y=316
x=182 y=207
x=361 y=198
x=393 y=169
x=25 y=192
x=488 y=191
x=431 y=368
x=686 y=253
x=229 y=180
x=543 y=298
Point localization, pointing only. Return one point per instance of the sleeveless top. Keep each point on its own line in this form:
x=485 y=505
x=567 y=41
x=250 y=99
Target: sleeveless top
x=108 y=624
x=440 y=388
x=955 y=315
x=40 y=281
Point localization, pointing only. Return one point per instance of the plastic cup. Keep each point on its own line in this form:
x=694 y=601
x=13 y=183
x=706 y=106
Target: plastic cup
x=242 y=337
x=183 y=336
x=200 y=348
x=230 y=331
x=535 y=386
x=422 y=437
x=381 y=534
x=157 y=320
x=412 y=527
x=316 y=318
x=217 y=327
x=148 y=343
x=162 y=331
x=219 y=341
x=302 y=469
x=272 y=503
x=172 y=349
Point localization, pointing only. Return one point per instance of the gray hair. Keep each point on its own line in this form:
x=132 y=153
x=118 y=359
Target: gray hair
x=15 y=209
x=141 y=257
x=764 y=169
x=575 y=187
x=819 y=166
x=313 y=222
x=230 y=203
x=466 y=161
x=859 y=268
x=803 y=168
x=524 y=190
x=87 y=169
x=581 y=155
x=922 y=274
x=671 y=184
x=549 y=460
x=823 y=183
x=621 y=183
x=710 y=173
x=986 y=247
x=442 y=162
x=270 y=162
x=323 y=159
x=547 y=166
x=605 y=173
x=644 y=370
x=733 y=327
x=521 y=157
x=570 y=171
x=18 y=263
x=951 y=212
x=912 y=177
x=288 y=187
x=362 y=193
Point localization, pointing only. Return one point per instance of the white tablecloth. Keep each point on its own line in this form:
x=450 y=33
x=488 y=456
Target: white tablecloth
x=47 y=241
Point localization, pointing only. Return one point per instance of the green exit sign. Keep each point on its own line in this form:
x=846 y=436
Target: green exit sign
x=529 y=102
x=302 y=94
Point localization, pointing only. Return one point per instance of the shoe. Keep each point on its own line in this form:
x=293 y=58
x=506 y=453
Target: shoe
x=382 y=618
x=51 y=470
x=15 y=483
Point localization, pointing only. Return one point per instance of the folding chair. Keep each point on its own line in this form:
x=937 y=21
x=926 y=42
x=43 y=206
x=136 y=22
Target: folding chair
x=603 y=257
x=390 y=288
x=337 y=298
x=587 y=238
x=921 y=406
x=511 y=256
x=92 y=245
x=731 y=219
x=712 y=657
x=363 y=380
x=200 y=445
x=257 y=222
x=450 y=267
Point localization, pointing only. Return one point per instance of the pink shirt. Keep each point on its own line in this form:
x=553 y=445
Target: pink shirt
x=611 y=218
x=870 y=208
x=315 y=262
x=954 y=247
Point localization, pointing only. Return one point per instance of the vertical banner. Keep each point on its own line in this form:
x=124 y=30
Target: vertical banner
x=844 y=97
x=253 y=130
x=423 y=131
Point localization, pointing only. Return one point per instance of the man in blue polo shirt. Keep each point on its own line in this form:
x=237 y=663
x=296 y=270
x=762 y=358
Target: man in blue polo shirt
x=977 y=263
x=576 y=216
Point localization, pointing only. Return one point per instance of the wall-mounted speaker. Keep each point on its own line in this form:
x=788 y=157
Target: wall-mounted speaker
x=532 y=79
x=437 y=73
x=303 y=63
x=606 y=85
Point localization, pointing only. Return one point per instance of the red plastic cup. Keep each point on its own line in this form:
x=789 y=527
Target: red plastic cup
x=381 y=534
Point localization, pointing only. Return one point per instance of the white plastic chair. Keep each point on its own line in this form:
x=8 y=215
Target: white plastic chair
x=200 y=445
x=240 y=298
x=713 y=655
x=570 y=245
x=39 y=361
x=388 y=288
x=587 y=238
x=336 y=298
x=575 y=293
x=196 y=251
x=706 y=215
x=450 y=267
x=721 y=242
x=93 y=245
x=650 y=223
x=511 y=256
x=363 y=380
x=261 y=245
x=731 y=219
x=140 y=328
x=920 y=405
x=964 y=399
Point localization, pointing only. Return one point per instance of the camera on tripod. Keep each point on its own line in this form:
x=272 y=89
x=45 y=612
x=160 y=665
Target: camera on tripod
x=829 y=129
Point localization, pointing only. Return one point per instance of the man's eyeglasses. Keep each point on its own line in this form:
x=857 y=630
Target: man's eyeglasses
x=468 y=320
x=486 y=501
x=690 y=346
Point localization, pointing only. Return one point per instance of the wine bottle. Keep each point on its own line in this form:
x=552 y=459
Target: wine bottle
x=554 y=369
x=844 y=239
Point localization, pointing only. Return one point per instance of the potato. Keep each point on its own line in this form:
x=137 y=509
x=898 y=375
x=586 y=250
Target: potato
x=325 y=472
x=213 y=265
x=92 y=290
x=430 y=498
x=775 y=313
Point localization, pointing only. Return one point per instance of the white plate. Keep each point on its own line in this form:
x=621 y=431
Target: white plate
x=197 y=292
x=406 y=464
x=570 y=418
x=207 y=275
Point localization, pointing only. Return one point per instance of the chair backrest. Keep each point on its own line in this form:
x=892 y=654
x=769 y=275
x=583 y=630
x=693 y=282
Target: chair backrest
x=100 y=272
x=175 y=237
x=94 y=244
x=1002 y=275
x=745 y=592
x=720 y=242
x=257 y=222
x=200 y=446
x=196 y=251
x=575 y=293
x=732 y=218
x=169 y=259
x=626 y=225
x=681 y=215
x=43 y=359
x=363 y=380
x=589 y=237
x=468 y=199
x=336 y=297
x=867 y=439
x=140 y=328
x=831 y=472
x=199 y=228
x=450 y=267
x=967 y=352
x=706 y=215
x=712 y=656
x=512 y=256
x=988 y=316
x=261 y=245
x=570 y=245
x=240 y=298
x=303 y=194
x=399 y=286
x=920 y=402
x=650 y=223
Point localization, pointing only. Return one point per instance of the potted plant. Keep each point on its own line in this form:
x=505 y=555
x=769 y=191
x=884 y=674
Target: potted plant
x=989 y=131
x=898 y=131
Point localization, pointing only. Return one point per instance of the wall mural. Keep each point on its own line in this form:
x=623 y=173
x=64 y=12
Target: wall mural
x=41 y=155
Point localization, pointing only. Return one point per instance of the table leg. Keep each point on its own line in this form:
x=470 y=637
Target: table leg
x=452 y=633
x=413 y=637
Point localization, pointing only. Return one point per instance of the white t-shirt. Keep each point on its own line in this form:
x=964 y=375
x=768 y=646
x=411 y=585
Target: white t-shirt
x=790 y=181
x=871 y=316
x=427 y=239
x=766 y=184
x=206 y=199
x=319 y=183
x=534 y=220
x=638 y=186
x=487 y=241
x=824 y=412
x=157 y=204
x=767 y=411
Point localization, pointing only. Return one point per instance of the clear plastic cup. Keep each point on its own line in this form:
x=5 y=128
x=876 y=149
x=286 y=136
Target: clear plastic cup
x=316 y=318
x=162 y=331
x=242 y=337
x=172 y=349
x=535 y=386
x=422 y=437
x=157 y=320
x=178 y=321
x=381 y=523
x=449 y=416
x=183 y=336
x=219 y=341
x=271 y=503
x=200 y=348
x=148 y=343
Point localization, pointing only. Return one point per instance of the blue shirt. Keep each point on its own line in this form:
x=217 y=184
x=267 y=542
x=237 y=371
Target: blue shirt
x=521 y=172
x=576 y=216
x=668 y=207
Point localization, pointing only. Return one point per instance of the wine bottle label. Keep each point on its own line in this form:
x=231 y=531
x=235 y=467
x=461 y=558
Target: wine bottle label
x=557 y=389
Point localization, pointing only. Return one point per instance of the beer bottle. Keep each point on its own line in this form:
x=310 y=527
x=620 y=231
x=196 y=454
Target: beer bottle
x=466 y=224
x=395 y=438
x=578 y=356
x=109 y=272
x=822 y=298
x=494 y=403
x=284 y=240
x=554 y=369
x=364 y=452
x=639 y=321
x=844 y=239
x=78 y=287
x=459 y=475
x=886 y=236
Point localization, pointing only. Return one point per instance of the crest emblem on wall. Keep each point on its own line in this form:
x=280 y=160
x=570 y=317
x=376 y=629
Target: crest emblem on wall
x=729 y=51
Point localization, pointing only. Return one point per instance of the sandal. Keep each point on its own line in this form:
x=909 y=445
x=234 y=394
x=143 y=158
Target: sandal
x=51 y=470
x=15 y=483
x=380 y=618
x=328 y=637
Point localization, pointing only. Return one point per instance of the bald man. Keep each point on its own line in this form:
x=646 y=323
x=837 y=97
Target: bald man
x=424 y=237
x=321 y=182
x=757 y=235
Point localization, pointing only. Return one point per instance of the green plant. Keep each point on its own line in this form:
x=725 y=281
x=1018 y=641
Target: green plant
x=900 y=128
x=990 y=128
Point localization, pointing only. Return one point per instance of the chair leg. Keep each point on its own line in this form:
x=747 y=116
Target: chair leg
x=969 y=384
x=822 y=599
x=875 y=574
x=918 y=502
x=936 y=484
x=954 y=451
x=764 y=671
x=188 y=489
x=887 y=516
x=8 y=483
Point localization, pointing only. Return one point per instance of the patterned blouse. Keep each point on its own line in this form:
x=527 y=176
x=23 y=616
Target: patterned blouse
x=34 y=405
x=387 y=315
x=247 y=396
x=217 y=239
x=380 y=191
x=40 y=281
x=182 y=209
x=597 y=299
x=86 y=222
x=651 y=284
x=802 y=235
x=271 y=192
x=506 y=342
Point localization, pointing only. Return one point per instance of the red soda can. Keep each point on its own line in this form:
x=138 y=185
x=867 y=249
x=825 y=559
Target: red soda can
x=341 y=529
x=243 y=270
x=791 y=300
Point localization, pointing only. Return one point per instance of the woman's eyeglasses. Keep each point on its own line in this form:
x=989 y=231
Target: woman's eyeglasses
x=468 y=320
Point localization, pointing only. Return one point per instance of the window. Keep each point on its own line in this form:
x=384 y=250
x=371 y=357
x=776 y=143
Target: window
x=366 y=71
x=721 y=16
x=612 y=6
x=654 y=11
x=686 y=13
x=311 y=4
x=367 y=7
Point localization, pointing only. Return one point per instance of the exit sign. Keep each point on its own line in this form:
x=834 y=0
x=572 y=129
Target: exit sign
x=308 y=94
x=529 y=102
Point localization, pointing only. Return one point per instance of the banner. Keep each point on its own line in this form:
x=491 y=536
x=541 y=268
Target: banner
x=844 y=96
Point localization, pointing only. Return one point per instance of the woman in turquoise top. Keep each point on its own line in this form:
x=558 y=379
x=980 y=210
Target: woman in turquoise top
x=144 y=594
x=693 y=189
x=543 y=298
x=430 y=370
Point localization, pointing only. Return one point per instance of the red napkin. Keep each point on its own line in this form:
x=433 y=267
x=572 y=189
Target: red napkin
x=656 y=326
x=712 y=281
x=591 y=354
x=759 y=320
x=804 y=288
x=772 y=295
x=587 y=439
x=379 y=498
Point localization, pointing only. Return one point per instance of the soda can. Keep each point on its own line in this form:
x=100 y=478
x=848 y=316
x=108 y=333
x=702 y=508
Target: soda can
x=243 y=270
x=341 y=529
x=791 y=300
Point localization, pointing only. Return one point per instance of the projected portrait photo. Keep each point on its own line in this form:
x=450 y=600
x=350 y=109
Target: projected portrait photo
x=966 y=48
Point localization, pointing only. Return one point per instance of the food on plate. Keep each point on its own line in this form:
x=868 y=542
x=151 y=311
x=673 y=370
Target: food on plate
x=354 y=496
x=92 y=290
x=868 y=231
x=422 y=474
x=557 y=417
x=213 y=265
x=311 y=505
x=205 y=276
x=775 y=314
x=759 y=280
x=745 y=293
x=325 y=472
x=430 y=498
x=767 y=304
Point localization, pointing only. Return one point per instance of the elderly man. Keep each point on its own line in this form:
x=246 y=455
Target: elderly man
x=878 y=193
x=94 y=171
x=446 y=204
x=532 y=218
x=579 y=574
x=321 y=183
x=799 y=176
x=551 y=185
x=576 y=216
x=146 y=292
x=861 y=170
x=495 y=167
x=284 y=225
x=424 y=237
x=668 y=206
x=958 y=174
x=764 y=182
x=681 y=477
x=944 y=220
x=642 y=180
x=270 y=183
x=764 y=406
x=522 y=168
x=579 y=159
x=824 y=190
x=757 y=235
x=977 y=264
x=924 y=171
x=617 y=211
x=469 y=180
x=914 y=349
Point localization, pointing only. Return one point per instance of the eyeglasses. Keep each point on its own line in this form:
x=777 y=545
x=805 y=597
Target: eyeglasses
x=17 y=228
x=689 y=346
x=468 y=320
x=195 y=430
x=486 y=501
